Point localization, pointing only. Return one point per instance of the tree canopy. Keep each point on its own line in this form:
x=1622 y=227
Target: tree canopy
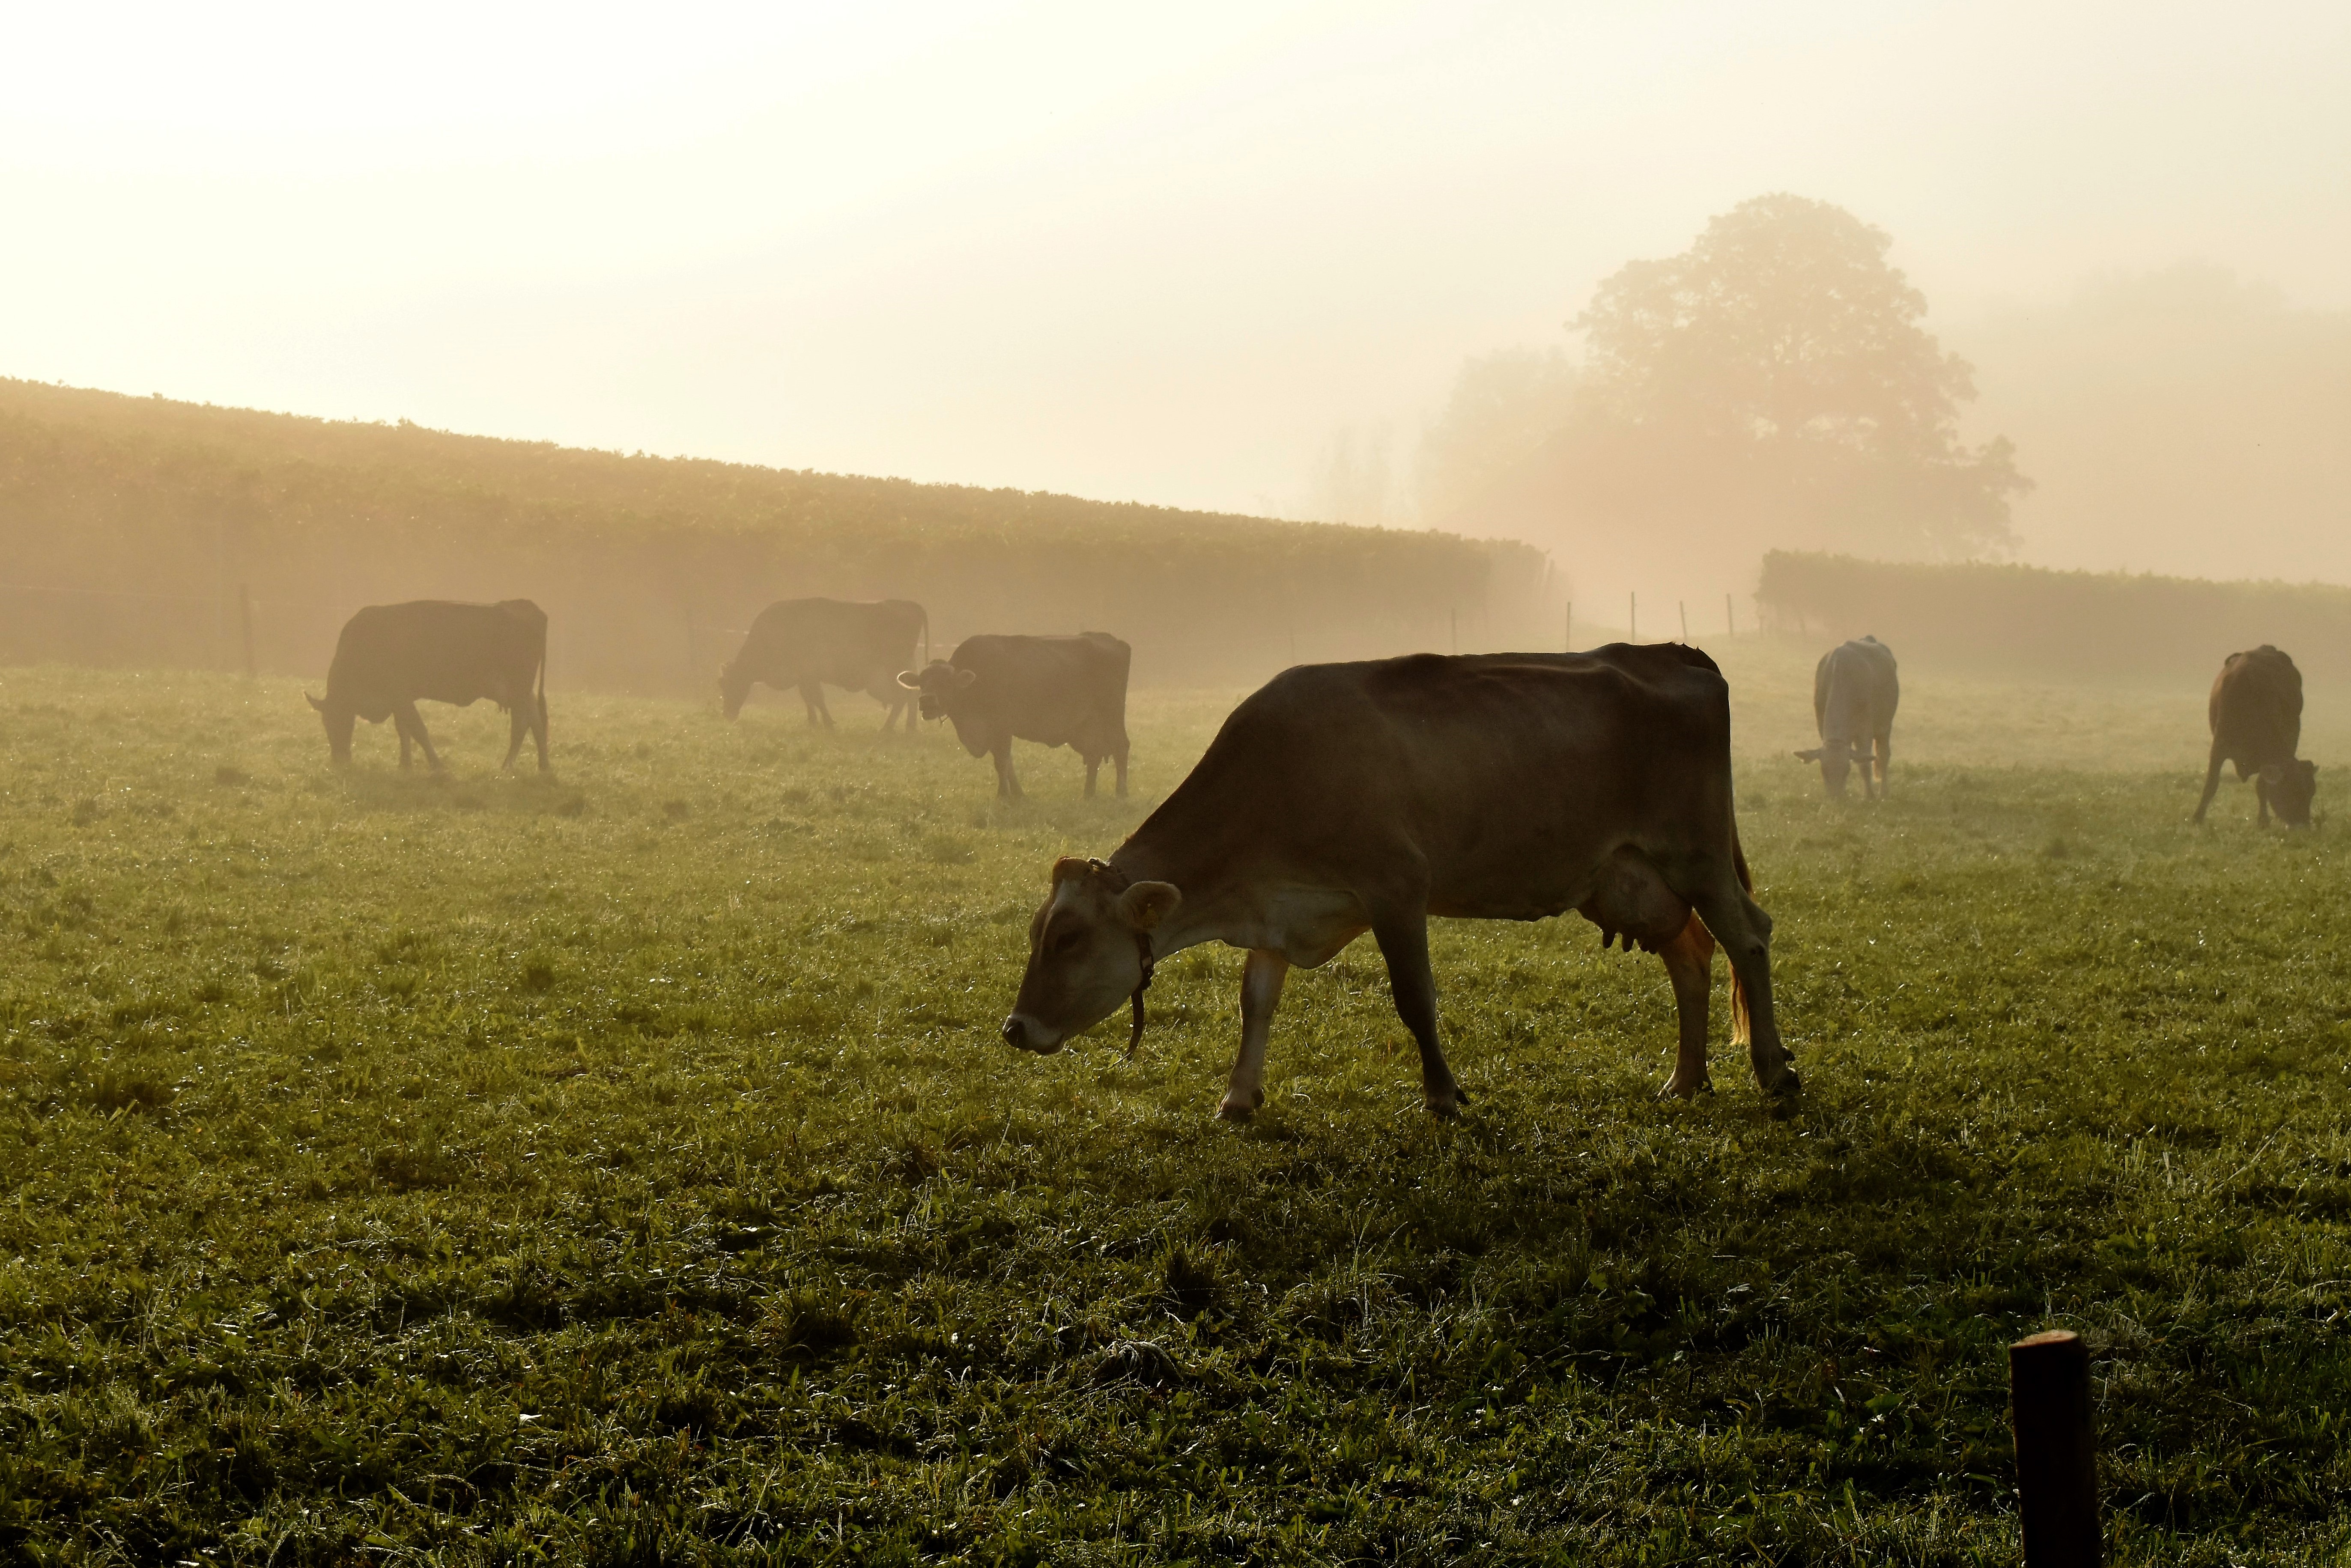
x=1770 y=387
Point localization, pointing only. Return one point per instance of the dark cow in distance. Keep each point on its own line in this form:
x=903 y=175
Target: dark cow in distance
x=1056 y=691
x=813 y=643
x=2256 y=717
x=391 y=656
x=1854 y=692
x=1341 y=798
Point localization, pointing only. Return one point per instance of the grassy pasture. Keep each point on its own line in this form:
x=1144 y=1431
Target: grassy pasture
x=621 y=1168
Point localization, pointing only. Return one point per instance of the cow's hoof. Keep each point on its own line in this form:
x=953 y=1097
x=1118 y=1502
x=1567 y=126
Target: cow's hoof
x=1450 y=1104
x=1234 y=1110
x=1676 y=1089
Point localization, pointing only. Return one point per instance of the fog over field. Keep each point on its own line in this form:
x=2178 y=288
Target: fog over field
x=1234 y=258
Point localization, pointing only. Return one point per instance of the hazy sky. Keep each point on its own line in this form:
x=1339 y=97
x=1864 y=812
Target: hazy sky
x=1130 y=253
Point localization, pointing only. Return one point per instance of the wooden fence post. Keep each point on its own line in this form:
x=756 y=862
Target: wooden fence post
x=1632 y=618
x=1729 y=622
x=245 y=623
x=1683 y=605
x=2056 y=1463
x=1568 y=628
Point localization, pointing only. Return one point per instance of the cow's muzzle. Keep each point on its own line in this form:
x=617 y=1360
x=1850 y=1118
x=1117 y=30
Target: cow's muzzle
x=1025 y=1033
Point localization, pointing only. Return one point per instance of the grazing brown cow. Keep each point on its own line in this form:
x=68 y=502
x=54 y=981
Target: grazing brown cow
x=2256 y=716
x=1057 y=691
x=1341 y=798
x=1854 y=692
x=390 y=656
x=811 y=643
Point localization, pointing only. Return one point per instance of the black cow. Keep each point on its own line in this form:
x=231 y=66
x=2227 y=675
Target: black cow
x=1057 y=691
x=2256 y=717
x=390 y=656
x=811 y=643
x=1341 y=798
x=1855 y=694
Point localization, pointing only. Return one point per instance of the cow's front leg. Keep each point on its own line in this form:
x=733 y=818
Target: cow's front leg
x=1689 y=965
x=1261 y=978
x=1093 y=765
x=407 y=715
x=1007 y=783
x=1403 y=936
x=2212 y=783
x=1885 y=764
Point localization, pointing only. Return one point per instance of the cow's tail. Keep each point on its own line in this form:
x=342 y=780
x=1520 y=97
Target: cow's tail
x=1743 y=1029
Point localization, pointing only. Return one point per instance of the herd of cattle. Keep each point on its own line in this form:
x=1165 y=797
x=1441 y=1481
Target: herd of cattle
x=1337 y=800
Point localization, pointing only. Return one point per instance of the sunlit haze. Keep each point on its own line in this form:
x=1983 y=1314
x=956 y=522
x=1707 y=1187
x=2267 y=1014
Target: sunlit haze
x=1173 y=255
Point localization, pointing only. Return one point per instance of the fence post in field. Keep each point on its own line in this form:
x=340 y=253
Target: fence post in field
x=1568 y=627
x=1632 y=618
x=1729 y=622
x=245 y=624
x=2056 y=1464
x=1683 y=605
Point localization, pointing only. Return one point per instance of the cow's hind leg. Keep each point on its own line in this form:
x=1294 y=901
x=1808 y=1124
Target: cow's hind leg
x=1739 y=924
x=1689 y=965
x=1261 y=978
x=1403 y=936
x=1093 y=767
x=518 y=724
x=1885 y=762
x=812 y=699
x=405 y=716
x=539 y=708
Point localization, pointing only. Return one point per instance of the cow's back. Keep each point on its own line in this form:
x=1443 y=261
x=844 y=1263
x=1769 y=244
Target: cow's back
x=2256 y=708
x=837 y=642
x=1505 y=775
x=1855 y=689
x=437 y=650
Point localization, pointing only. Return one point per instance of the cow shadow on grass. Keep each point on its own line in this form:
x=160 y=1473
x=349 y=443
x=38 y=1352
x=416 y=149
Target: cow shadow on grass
x=423 y=792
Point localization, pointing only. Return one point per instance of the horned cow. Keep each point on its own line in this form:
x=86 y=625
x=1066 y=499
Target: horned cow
x=1057 y=691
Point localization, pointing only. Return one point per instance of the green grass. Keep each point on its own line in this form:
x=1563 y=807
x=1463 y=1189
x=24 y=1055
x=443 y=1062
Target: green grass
x=623 y=1169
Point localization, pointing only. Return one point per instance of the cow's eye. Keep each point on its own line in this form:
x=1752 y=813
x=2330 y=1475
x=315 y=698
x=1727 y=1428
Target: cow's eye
x=1066 y=939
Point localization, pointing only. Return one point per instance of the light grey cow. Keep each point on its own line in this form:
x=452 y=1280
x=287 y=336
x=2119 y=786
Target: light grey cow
x=1854 y=692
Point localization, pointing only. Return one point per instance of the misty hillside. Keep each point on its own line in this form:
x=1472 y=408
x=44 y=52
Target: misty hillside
x=129 y=527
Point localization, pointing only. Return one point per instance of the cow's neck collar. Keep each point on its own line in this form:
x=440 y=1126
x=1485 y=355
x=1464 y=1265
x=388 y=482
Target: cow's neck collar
x=1118 y=882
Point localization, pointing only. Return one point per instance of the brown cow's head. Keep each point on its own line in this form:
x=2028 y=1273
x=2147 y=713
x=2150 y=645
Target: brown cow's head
x=1836 y=761
x=939 y=683
x=1085 y=952
x=339 y=719
x=734 y=687
x=2288 y=788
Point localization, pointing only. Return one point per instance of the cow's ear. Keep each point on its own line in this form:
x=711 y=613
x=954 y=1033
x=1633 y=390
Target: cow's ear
x=911 y=680
x=1069 y=867
x=1146 y=903
x=964 y=677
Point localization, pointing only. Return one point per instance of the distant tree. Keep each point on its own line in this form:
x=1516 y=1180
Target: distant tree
x=1777 y=369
